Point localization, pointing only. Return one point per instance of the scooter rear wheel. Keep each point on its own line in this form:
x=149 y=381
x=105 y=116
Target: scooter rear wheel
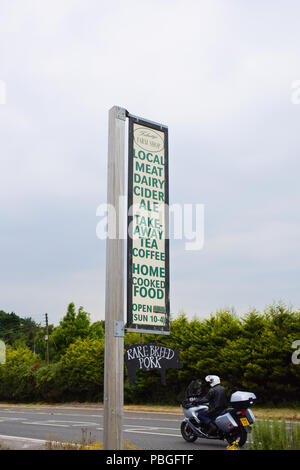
x=240 y=436
x=187 y=432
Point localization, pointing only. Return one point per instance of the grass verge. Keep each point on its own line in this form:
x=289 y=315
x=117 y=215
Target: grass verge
x=85 y=443
x=275 y=434
x=290 y=414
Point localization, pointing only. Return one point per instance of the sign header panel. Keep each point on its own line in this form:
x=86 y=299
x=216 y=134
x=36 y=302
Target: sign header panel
x=148 y=307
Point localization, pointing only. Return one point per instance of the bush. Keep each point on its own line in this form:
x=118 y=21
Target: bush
x=82 y=369
x=17 y=381
x=253 y=353
x=49 y=383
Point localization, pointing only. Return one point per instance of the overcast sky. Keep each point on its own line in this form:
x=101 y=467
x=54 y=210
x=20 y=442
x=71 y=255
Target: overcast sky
x=220 y=74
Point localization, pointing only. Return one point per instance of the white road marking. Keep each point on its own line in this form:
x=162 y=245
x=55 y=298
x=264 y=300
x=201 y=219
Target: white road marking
x=39 y=423
x=81 y=423
x=66 y=423
x=3 y=419
x=18 y=438
x=154 y=419
x=153 y=430
x=135 y=431
x=149 y=428
x=140 y=431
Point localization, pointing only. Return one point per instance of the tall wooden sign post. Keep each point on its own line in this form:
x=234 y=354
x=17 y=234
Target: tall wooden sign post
x=114 y=289
x=148 y=305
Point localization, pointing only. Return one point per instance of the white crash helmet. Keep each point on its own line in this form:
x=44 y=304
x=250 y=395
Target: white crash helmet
x=213 y=380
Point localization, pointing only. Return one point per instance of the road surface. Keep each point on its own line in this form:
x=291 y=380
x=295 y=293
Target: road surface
x=28 y=427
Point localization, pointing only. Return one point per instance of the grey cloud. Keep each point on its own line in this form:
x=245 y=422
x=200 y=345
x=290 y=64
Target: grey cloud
x=219 y=74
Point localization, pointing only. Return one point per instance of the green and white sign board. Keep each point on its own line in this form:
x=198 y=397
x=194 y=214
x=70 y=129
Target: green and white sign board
x=148 y=306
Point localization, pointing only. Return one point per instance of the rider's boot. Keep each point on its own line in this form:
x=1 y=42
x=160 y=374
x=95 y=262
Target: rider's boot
x=212 y=429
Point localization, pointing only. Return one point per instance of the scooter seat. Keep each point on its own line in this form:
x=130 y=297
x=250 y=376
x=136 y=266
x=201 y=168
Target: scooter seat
x=227 y=410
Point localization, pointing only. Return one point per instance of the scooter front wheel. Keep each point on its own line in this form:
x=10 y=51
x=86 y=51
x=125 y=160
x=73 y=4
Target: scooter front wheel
x=187 y=432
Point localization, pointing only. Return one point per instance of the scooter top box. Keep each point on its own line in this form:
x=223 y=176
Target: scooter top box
x=242 y=399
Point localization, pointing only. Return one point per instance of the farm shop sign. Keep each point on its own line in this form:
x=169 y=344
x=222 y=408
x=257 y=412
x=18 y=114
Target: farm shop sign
x=148 y=240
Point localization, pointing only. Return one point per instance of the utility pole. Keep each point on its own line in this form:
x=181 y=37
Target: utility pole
x=47 y=337
x=114 y=288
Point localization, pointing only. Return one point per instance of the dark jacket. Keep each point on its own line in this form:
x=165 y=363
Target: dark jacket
x=217 y=398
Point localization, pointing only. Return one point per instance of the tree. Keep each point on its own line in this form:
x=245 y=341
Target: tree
x=72 y=326
x=17 y=330
x=97 y=330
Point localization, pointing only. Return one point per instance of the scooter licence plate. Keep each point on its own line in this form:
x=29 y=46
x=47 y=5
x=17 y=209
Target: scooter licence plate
x=245 y=422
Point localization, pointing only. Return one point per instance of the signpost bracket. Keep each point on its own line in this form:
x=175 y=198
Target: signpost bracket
x=119 y=328
x=147 y=331
x=121 y=113
x=146 y=121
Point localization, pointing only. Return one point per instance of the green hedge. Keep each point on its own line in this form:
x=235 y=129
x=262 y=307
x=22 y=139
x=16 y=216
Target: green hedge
x=252 y=352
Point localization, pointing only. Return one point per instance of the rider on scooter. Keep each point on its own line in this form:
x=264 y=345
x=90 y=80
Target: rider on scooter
x=217 y=399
